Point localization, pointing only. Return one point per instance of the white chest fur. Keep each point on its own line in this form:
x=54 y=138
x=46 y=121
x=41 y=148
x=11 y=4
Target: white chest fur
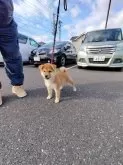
x=49 y=84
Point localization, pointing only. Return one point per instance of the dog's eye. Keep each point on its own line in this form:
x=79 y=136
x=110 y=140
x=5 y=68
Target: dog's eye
x=50 y=71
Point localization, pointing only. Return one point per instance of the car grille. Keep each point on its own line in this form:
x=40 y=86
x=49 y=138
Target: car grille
x=101 y=50
x=99 y=62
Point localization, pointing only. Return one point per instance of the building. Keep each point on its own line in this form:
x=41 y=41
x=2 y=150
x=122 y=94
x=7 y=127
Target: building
x=77 y=40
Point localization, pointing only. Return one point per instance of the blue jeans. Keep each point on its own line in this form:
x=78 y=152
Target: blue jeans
x=9 y=48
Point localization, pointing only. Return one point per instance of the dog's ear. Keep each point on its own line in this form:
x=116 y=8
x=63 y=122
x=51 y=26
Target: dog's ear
x=53 y=66
x=41 y=67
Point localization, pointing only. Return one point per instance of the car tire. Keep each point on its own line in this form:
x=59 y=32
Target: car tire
x=30 y=62
x=118 y=69
x=36 y=65
x=75 y=60
x=79 y=67
x=62 y=61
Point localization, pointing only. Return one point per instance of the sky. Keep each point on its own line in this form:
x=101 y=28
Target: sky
x=35 y=17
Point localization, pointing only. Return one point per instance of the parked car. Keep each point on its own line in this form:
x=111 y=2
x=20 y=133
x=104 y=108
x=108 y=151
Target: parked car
x=26 y=45
x=102 y=48
x=64 y=52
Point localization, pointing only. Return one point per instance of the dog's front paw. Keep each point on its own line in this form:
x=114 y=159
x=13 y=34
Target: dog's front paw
x=57 y=100
x=49 y=97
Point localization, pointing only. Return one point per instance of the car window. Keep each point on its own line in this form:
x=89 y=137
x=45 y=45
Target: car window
x=22 y=39
x=33 y=42
x=103 y=35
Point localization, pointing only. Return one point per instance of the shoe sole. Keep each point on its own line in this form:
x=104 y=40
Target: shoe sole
x=19 y=96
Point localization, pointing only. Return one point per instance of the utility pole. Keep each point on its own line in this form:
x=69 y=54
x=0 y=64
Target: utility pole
x=108 y=14
x=60 y=22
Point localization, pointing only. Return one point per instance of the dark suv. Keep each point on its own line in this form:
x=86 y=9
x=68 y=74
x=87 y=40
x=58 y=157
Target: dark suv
x=64 y=52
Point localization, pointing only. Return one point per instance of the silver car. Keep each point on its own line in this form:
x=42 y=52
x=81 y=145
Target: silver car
x=26 y=45
x=102 y=48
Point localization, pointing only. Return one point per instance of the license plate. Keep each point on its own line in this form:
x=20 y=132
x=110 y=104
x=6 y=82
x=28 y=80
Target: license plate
x=99 y=58
x=36 y=58
x=43 y=56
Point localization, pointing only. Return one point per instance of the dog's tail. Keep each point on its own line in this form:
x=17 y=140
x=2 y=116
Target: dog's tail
x=63 y=69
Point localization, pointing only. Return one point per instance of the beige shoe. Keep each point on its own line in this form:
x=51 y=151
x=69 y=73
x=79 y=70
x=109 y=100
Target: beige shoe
x=19 y=91
x=0 y=98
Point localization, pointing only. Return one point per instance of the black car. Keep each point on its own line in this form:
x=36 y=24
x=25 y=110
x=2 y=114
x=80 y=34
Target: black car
x=64 y=52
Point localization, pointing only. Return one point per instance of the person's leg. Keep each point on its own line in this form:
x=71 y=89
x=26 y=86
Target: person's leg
x=13 y=61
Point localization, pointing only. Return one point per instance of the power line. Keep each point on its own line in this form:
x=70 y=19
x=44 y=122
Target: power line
x=37 y=5
x=25 y=24
x=23 y=28
x=38 y=12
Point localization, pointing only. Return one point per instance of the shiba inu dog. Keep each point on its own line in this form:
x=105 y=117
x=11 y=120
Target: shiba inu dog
x=55 y=79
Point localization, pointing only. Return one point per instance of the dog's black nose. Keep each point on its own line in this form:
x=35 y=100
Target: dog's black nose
x=46 y=76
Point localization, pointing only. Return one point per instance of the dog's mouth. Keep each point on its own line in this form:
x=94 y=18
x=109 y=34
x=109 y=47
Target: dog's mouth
x=47 y=77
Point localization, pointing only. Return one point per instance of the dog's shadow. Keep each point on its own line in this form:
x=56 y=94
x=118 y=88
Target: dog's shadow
x=106 y=91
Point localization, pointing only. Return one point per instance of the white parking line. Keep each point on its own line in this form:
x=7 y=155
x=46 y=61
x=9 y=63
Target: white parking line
x=72 y=67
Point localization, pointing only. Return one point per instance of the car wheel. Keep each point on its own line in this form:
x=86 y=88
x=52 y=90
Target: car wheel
x=76 y=60
x=30 y=62
x=62 y=61
x=118 y=69
x=36 y=65
x=79 y=67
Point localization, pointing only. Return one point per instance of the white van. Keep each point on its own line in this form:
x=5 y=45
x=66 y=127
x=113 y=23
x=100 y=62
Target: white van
x=26 y=45
x=102 y=48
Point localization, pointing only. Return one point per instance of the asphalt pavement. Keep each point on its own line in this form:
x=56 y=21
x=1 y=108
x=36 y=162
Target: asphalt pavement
x=85 y=128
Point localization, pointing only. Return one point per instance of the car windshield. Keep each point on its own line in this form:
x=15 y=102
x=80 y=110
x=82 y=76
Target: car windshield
x=50 y=45
x=103 y=35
